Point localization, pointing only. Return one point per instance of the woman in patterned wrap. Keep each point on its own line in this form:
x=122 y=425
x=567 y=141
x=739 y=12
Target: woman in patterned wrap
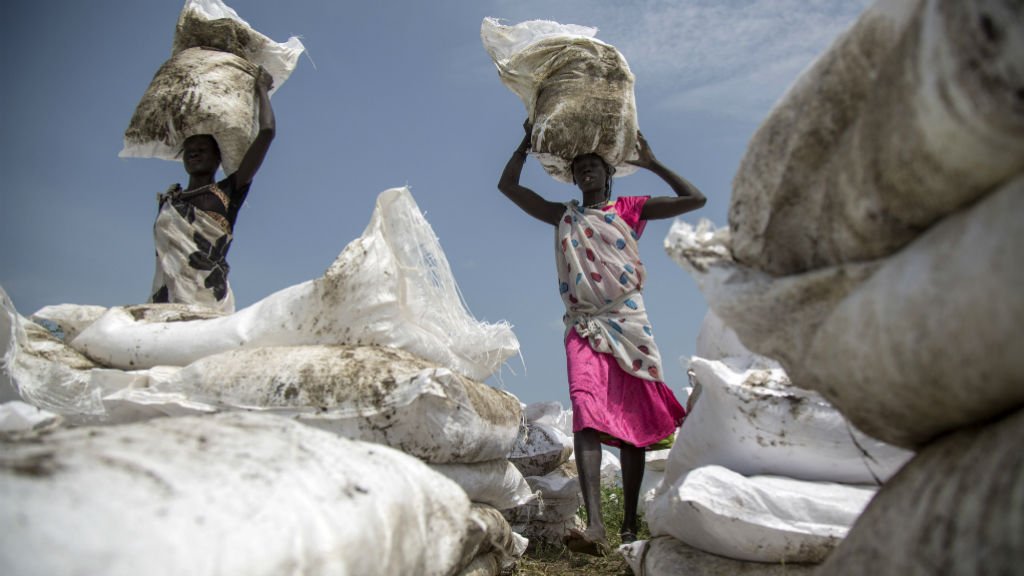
x=615 y=376
x=194 y=227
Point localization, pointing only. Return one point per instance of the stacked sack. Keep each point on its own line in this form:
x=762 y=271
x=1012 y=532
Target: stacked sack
x=226 y=494
x=873 y=249
x=542 y=454
x=578 y=91
x=761 y=471
x=379 y=350
x=207 y=85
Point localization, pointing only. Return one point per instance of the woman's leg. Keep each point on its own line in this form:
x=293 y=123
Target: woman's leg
x=633 y=461
x=587 y=446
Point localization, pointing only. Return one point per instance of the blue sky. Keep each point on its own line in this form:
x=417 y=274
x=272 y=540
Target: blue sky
x=391 y=94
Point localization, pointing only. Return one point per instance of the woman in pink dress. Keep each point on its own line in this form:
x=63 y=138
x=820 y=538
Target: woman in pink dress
x=614 y=367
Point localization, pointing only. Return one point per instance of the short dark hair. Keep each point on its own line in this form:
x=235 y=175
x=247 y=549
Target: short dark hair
x=216 y=146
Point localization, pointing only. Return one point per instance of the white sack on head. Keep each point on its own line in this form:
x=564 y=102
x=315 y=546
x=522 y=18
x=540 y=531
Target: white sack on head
x=369 y=393
x=229 y=494
x=760 y=518
x=913 y=114
x=578 y=91
x=393 y=287
x=207 y=86
x=753 y=421
x=906 y=347
x=214 y=24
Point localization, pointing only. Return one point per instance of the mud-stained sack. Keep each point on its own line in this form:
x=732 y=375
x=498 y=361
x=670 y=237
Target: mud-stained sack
x=207 y=86
x=956 y=505
x=370 y=393
x=229 y=494
x=913 y=114
x=214 y=24
x=578 y=91
x=754 y=421
x=40 y=368
x=867 y=335
x=392 y=286
x=757 y=518
x=539 y=449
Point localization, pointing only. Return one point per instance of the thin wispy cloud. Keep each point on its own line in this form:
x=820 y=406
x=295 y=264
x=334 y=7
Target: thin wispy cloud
x=733 y=57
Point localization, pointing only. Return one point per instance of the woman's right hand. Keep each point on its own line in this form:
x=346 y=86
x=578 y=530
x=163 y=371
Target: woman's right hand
x=527 y=142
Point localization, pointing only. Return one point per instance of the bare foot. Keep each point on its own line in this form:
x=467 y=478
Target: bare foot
x=592 y=542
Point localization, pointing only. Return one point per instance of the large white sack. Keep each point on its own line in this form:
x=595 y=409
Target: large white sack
x=369 y=393
x=207 y=86
x=868 y=336
x=229 y=494
x=911 y=115
x=496 y=483
x=392 y=286
x=753 y=421
x=956 y=508
x=757 y=518
x=666 y=556
x=578 y=91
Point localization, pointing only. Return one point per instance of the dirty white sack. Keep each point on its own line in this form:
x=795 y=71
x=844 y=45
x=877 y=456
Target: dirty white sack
x=578 y=91
x=757 y=518
x=392 y=286
x=207 y=86
x=913 y=114
x=539 y=449
x=753 y=421
x=371 y=393
x=868 y=336
x=227 y=494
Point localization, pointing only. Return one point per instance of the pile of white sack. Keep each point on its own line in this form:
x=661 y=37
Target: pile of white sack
x=376 y=359
x=207 y=86
x=542 y=453
x=873 y=250
x=761 y=471
x=578 y=91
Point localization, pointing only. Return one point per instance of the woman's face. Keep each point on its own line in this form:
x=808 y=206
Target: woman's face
x=590 y=172
x=200 y=154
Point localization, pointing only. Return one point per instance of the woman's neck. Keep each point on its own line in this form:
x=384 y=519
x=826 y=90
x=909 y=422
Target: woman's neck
x=595 y=199
x=199 y=181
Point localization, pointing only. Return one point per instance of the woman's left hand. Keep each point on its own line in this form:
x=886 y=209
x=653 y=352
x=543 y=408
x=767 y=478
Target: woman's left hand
x=645 y=156
x=264 y=80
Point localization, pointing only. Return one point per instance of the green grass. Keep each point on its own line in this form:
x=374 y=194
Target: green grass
x=558 y=561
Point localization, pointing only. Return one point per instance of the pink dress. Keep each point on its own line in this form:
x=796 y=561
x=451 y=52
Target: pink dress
x=613 y=365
